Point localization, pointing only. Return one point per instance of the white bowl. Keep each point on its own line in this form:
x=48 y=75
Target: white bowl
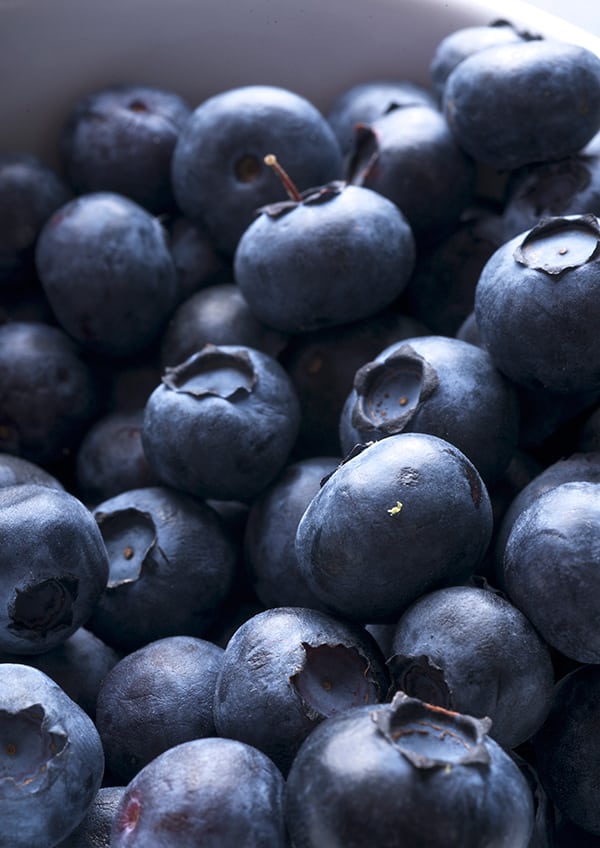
x=53 y=51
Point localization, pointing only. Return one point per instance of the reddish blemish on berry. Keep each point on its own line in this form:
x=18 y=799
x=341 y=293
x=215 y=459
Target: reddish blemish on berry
x=130 y=815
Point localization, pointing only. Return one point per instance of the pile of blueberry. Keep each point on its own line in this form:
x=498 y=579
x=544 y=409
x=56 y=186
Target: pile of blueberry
x=300 y=464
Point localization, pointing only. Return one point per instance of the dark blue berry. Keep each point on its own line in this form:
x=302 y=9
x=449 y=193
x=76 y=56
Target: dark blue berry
x=155 y=698
x=337 y=254
x=536 y=308
x=222 y=423
x=55 y=567
x=218 y=793
x=219 y=177
x=171 y=566
x=106 y=269
x=406 y=773
x=436 y=385
x=469 y=649
x=52 y=759
x=288 y=668
x=551 y=567
x=530 y=101
x=121 y=139
x=407 y=514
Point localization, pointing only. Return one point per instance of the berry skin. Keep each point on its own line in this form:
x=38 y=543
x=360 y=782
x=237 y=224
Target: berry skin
x=551 y=568
x=367 y=101
x=567 y=748
x=155 y=698
x=270 y=533
x=107 y=272
x=537 y=306
x=121 y=139
x=29 y=193
x=410 y=156
x=218 y=793
x=49 y=395
x=216 y=314
x=222 y=423
x=334 y=255
x=470 y=650
x=171 y=565
x=287 y=669
x=531 y=101
x=441 y=386
x=52 y=760
x=406 y=773
x=55 y=567
x=219 y=177
x=94 y=829
x=405 y=515
x=464 y=42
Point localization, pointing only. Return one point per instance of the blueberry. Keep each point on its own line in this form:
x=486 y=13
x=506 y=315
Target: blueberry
x=171 y=565
x=52 y=759
x=217 y=314
x=30 y=192
x=567 y=749
x=196 y=261
x=48 y=392
x=218 y=793
x=155 y=698
x=222 y=423
x=551 y=567
x=110 y=458
x=219 y=177
x=582 y=465
x=551 y=189
x=121 y=139
x=407 y=514
x=106 y=269
x=94 y=829
x=468 y=331
x=322 y=364
x=335 y=254
x=464 y=42
x=410 y=157
x=437 y=385
x=15 y=470
x=270 y=533
x=550 y=420
x=56 y=536
x=364 y=102
x=441 y=290
x=470 y=650
x=530 y=101
x=406 y=773
x=535 y=306
x=78 y=665
x=288 y=668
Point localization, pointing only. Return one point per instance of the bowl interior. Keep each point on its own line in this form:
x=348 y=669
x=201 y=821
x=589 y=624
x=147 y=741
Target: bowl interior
x=52 y=53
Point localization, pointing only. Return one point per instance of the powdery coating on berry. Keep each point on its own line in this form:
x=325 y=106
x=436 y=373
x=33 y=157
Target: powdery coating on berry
x=532 y=101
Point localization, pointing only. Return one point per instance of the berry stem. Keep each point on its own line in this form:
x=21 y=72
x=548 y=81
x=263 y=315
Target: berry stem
x=292 y=192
